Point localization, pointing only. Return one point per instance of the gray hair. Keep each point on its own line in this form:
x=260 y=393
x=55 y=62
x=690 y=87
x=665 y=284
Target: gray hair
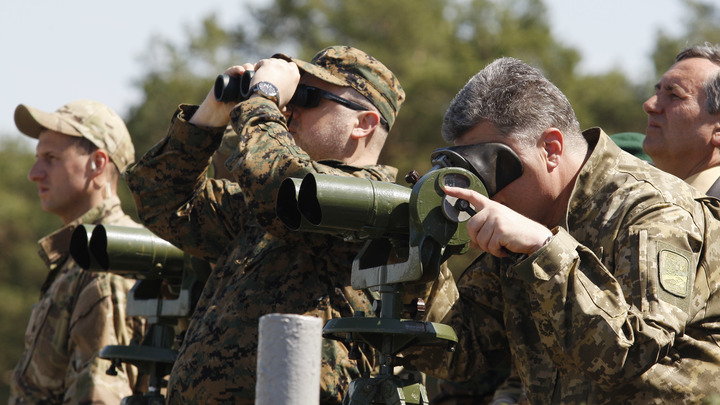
x=517 y=99
x=711 y=85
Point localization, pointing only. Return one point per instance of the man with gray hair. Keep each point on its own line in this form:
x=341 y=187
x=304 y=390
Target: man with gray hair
x=82 y=149
x=683 y=132
x=597 y=272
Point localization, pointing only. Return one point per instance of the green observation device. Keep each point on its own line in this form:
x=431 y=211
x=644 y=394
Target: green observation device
x=408 y=233
x=169 y=283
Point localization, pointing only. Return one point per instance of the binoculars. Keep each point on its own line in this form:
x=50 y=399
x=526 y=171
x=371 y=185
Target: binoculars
x=165 y=273
x=130 y=252
x=406 y=229
x=237 y=88
x=233 y=88
x=169 y=283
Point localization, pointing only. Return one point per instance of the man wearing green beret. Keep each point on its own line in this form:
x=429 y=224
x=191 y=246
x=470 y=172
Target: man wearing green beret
x=261 y=266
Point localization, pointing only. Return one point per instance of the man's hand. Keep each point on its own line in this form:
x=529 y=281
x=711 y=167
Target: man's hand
x=283 y=74
x=497 y=229
x=213 y=113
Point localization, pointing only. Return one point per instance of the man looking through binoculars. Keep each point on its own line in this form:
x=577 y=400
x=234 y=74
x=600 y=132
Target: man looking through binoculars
x=350 y=101
x=599 y=274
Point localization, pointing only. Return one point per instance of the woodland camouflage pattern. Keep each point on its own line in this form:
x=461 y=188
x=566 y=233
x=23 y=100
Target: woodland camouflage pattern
x=261 y=266
x=78 y=314
x=621 y=307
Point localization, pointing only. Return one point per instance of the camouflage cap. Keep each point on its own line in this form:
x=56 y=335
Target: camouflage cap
x=347 y=66
x=89 y=119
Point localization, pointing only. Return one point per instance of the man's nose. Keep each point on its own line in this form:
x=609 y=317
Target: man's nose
x=650 y=106
x=36 y=173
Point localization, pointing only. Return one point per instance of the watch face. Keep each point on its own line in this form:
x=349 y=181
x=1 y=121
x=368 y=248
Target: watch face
x=267 y=89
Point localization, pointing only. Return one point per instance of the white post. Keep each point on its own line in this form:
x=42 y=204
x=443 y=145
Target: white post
x=289 y=356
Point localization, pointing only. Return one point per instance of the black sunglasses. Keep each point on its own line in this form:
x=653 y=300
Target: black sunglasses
x=309 y=97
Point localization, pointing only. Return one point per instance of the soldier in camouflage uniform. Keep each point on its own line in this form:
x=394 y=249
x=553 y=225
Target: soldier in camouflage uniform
x=599 y=272
x=82 y=149
x=261 y=266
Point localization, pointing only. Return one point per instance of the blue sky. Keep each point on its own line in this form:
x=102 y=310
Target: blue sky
x=57 y=51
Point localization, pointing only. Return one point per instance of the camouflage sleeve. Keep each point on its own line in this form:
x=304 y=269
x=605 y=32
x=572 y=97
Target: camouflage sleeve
x=613 y=319
x=98 y=320
x=267 y=155
x=174 y=197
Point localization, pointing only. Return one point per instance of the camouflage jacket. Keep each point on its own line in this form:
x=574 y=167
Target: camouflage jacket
x=260 y=266
x=621 y=307
x=78 y=314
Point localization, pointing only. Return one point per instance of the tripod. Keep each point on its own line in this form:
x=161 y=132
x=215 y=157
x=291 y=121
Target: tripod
x=389 y=335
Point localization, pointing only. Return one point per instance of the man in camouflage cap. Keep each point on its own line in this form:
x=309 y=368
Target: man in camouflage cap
x=82 y=148
x=339 y=125
x=599 y=273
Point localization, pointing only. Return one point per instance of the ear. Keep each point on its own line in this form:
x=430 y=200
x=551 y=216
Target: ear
x=97 y=163
x=715 y=137
x=366 y=124
x=553 y=146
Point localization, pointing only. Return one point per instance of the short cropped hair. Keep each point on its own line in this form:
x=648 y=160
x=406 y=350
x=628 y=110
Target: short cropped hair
x=517 y=99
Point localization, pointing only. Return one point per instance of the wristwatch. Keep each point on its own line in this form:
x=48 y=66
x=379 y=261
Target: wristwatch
x=267 y=90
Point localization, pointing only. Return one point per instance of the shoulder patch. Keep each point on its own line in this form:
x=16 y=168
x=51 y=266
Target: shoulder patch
x=674 y=273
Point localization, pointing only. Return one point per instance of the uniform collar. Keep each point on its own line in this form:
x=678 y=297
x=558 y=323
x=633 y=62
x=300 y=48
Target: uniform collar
x=55 y=247
x=705 y=179
x=599 y=165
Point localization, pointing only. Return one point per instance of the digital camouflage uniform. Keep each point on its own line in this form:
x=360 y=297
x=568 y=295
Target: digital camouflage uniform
x=78 y=314
x=261 y=267
x=621 y=307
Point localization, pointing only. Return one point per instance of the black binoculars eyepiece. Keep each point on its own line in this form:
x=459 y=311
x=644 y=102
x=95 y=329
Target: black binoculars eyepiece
x=233 y=88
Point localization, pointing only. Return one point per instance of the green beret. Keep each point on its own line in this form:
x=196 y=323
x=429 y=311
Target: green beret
x=631 y=142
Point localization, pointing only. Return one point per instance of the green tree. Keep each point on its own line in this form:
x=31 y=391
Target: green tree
x=702 y=24
x=178 y=73
x=608 y=100
x=434 y=49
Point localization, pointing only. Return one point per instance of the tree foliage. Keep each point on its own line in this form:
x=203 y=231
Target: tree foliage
x=702 y=24
x=437 y=46
x=178 y=73
x=433 y=49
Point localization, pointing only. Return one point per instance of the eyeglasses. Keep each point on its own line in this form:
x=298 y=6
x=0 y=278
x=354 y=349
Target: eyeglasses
x=309 y=97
